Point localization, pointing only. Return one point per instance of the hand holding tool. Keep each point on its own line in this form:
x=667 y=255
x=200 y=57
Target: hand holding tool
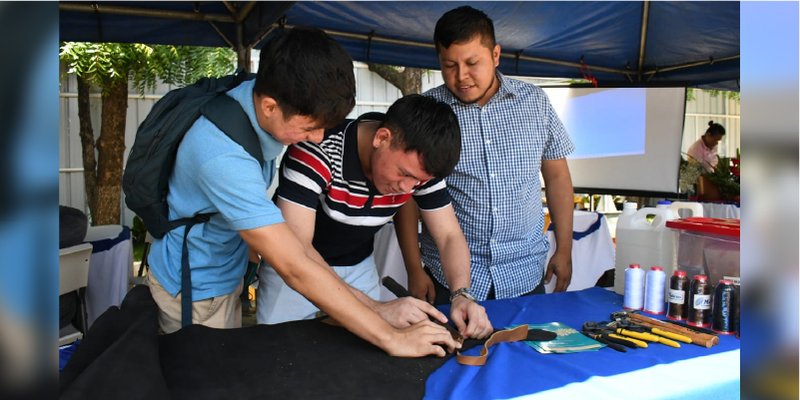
x=399 y=291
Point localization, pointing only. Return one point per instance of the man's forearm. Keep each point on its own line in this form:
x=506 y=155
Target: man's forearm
x=558 y=190
x=406 y=227
x=364 y=299
x=318 y=284
x=455 y=261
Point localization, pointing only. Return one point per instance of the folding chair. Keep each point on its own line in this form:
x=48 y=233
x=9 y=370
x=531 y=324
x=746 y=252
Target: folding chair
x=73 y=267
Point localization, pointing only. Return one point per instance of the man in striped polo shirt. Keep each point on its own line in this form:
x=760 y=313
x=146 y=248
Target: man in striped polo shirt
x=337 y=194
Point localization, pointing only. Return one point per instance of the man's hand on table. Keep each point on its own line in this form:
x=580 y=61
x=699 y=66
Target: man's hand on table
x=560 y=265
x=406 y=311
x=422 y=339
x=470 y=318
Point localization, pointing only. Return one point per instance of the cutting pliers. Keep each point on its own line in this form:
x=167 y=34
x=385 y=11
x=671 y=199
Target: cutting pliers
x=604 y=334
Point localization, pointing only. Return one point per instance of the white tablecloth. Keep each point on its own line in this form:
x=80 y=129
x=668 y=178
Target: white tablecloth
x=592 y=250
x=110 y=269
x=592 y=253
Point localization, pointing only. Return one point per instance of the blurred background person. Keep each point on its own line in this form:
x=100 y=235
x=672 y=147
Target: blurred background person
x=704 y=151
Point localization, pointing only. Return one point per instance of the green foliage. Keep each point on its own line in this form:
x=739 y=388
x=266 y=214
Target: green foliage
x=138 y=231
x=688 y=174
x=729 y=94
x=724 y=178
x=144 y=65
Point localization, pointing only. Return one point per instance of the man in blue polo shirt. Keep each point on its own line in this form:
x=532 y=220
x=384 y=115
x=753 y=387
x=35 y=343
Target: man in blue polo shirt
x=337 y=194
x=292 y=99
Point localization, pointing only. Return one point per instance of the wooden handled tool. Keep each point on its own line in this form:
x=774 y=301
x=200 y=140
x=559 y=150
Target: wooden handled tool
x=698 y=338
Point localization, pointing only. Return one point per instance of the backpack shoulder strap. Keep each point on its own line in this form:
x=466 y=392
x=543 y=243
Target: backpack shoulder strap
x=227 y=114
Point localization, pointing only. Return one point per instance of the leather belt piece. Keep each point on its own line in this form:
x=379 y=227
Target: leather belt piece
x=506 y=335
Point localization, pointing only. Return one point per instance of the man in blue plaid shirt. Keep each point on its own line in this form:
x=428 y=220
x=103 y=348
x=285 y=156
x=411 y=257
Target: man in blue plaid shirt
x=510 y=133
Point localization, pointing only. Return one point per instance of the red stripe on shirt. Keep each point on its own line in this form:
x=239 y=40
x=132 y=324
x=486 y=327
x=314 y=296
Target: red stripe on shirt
x=346 y=197
x=391 y=200
x=311 y=161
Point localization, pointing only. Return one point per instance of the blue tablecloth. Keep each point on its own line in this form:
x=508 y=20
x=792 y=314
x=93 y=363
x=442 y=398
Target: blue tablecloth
x=515 y=369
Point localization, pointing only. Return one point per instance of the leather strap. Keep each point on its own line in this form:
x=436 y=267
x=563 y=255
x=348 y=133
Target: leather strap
x=506 y=335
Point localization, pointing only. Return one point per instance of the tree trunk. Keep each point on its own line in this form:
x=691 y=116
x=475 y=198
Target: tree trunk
x=111 y=149
x=408 y=80
x=412 y=82
x=87 y=145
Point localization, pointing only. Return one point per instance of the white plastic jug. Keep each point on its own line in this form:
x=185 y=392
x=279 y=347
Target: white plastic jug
x=686 y=209
x=643 y=238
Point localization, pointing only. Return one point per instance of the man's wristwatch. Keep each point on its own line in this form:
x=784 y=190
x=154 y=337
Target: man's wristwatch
x=462 y=292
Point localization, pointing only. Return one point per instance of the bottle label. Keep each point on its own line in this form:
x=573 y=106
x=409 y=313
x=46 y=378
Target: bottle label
x=677 y=296
x=702 y=302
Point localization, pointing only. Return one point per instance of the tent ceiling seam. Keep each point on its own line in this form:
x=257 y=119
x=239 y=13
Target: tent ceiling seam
x=693 y=64
x=377 y=38
x=143 y=12
x=643 y=36
x=221 y=34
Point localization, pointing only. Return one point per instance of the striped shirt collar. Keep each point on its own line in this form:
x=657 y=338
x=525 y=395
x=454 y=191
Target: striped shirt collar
x=351 y=161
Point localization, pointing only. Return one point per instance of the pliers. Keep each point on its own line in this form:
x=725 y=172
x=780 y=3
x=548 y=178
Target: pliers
x=605 y=335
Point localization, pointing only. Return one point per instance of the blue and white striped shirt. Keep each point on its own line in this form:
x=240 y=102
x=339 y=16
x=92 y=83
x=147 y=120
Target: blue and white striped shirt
x=495 y=187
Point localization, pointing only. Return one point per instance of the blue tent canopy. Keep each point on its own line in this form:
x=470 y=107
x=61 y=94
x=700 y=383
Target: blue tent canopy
x=625 y=43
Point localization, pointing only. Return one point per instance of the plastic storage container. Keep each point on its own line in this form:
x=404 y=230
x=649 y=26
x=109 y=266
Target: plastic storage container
x=708 y=246
x=687 y=209
x=643 y=238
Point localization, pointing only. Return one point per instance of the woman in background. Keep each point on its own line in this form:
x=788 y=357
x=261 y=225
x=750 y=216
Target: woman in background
x=704 y=150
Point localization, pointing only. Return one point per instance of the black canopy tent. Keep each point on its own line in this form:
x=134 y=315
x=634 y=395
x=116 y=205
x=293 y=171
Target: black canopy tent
x=625 y=43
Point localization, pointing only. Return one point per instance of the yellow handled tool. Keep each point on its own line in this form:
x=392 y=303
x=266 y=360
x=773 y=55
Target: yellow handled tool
x=668 y=342
x=638 y=335
x=648 y=337
x=675 y=336
x=630 y=339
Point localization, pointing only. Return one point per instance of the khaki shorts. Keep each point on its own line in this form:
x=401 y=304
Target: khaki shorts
x=216 y=312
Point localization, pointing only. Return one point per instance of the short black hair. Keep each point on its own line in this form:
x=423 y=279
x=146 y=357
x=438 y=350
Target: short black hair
x=715 y=129
x=461 y=25
x=429 y=127
x=309 y=74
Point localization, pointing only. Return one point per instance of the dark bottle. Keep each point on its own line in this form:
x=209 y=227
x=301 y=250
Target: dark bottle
x=724 y=313
x=700 y=302
x=678 y=301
